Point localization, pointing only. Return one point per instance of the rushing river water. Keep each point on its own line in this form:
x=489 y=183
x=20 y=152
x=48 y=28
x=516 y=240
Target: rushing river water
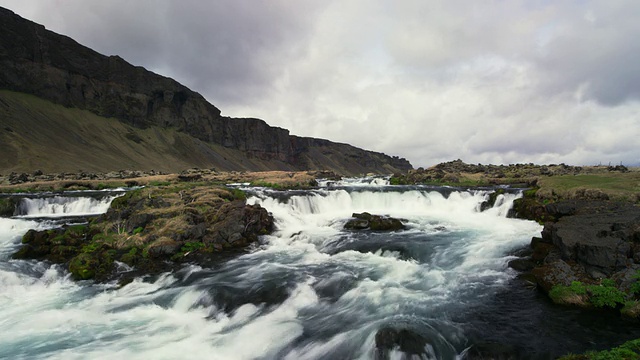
x=311 y=290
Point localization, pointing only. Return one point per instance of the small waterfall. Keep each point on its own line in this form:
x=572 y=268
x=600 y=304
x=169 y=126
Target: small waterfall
x=355 y=182
x=343 y=202
x=61 y=206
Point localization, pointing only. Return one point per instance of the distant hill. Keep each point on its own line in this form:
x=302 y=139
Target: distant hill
x=97 y=113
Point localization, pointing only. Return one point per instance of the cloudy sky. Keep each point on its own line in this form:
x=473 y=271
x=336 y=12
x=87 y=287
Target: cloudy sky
x=485 y=81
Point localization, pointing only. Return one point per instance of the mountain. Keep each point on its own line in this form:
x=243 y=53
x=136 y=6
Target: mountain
x=94 y=112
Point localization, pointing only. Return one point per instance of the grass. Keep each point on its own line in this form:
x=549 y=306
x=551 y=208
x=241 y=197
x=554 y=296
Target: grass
x=53 y=138
x=630 y=350
x=602 y=295
x=619 y=186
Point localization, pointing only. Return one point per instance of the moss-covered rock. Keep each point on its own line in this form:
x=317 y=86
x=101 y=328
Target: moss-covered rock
x=152 y=229
x=7 y=206
x=362 y=221
x=83 y=266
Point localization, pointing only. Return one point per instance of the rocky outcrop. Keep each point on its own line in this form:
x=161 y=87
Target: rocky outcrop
x=152 y=230
x=366 y=221
x=7 y=206
x=457 y=171
x=54 y=67
x=589 y=255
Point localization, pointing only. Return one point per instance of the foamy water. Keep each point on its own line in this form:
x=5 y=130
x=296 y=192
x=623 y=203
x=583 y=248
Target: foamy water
x=311 y=291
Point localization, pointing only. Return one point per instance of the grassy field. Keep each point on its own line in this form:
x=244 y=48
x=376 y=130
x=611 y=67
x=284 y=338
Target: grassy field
x=36 y=134
x=618 y=186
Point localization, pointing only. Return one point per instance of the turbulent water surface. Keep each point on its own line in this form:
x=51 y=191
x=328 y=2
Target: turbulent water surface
x=311 y=291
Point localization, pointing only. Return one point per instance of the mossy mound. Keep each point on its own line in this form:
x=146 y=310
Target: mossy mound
x=7 y=206
x=152 y=229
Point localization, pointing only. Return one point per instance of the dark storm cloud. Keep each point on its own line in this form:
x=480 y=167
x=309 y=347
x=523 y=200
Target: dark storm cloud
x=228 y=50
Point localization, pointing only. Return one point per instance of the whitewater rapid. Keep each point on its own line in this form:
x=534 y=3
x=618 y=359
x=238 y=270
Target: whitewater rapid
x=63 y=206
x=311 y=290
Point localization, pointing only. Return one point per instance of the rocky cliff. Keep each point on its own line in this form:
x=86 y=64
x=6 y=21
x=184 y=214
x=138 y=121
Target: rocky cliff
x=56 y=68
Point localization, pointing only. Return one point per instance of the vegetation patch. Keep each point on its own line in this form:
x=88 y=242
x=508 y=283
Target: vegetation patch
x=627 y=351
x=603 y=295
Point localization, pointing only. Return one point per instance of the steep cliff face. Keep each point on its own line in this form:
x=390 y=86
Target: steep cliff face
x=56 y=68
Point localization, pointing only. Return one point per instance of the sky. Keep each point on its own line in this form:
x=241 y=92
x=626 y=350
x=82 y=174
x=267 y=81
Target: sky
x=491 y=81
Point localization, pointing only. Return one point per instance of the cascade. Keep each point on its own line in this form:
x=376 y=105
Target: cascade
x=61 y=206
x=311 y=290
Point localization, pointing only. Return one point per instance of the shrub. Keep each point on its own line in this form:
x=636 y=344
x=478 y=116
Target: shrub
x=605 y=294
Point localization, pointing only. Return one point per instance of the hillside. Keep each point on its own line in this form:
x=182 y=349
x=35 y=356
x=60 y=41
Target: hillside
x=160 y=124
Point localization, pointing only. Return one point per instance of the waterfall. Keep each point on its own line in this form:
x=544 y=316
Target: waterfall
x=61 y=206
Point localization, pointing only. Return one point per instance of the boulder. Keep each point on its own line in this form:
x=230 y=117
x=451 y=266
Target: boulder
x=594 y=239
x=407 y=341
x=7 y=206
x=364 y=221
x=238 y=224
x=556 y=272
x=164 y=247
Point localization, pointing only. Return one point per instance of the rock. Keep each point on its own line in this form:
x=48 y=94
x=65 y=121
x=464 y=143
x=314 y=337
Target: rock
x=83 y=266
x=627 y=277
x=7 y=206
x=560 y=209
x=554 y=273
x=164 y=247
x=363 y=221
x=356 y=224
x=594 y=240
x=522 y=264
x=407 y=341
x=631 y=311
x=491 y=201
x=238 y=225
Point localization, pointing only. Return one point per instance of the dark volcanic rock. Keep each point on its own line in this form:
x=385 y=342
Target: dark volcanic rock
x=238 y=225
x=407 y=341
x=7 y=206
x=365 y=220
x=56 y=68
x=599 y=235
x=591 y=241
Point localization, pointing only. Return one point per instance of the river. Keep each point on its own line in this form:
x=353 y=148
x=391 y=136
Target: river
x=310 y=290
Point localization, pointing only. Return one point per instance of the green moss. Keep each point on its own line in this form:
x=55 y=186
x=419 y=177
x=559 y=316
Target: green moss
x=260 y=183
x=603 y=295
x=131 y=257
x=627 y=351
x=7 y=206
x=138 y=230
x=159 y=183
x=398 y=180
x=239 y=194
x=76 y=230
x=569 y=295
x=530 y=193
x=91 y=247
x=122 y=201
x=191 y=246
x=83 y=266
